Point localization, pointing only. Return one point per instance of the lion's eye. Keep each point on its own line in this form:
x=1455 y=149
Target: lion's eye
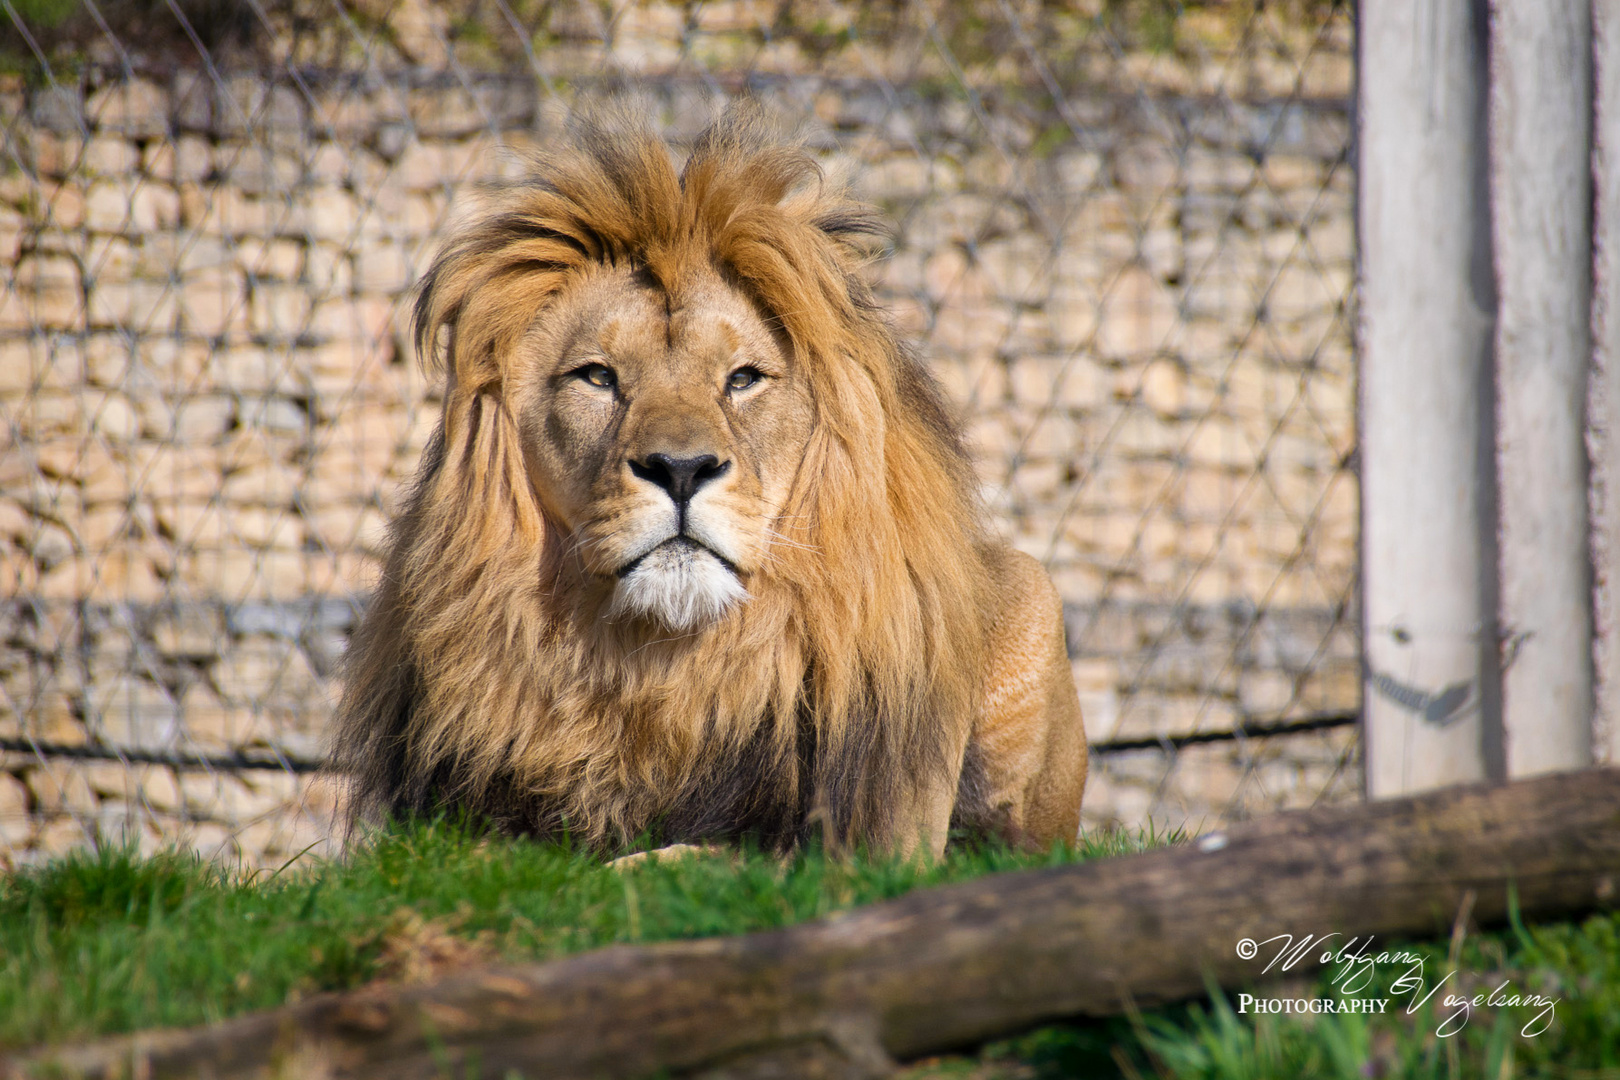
x=743 y=378
x=598 y=375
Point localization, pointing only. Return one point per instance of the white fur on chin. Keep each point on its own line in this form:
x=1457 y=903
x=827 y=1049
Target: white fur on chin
x=680 y=585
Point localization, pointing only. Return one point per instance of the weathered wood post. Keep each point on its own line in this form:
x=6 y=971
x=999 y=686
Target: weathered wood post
x=1541 y=218
x=1604 y=411
x=1431 y=692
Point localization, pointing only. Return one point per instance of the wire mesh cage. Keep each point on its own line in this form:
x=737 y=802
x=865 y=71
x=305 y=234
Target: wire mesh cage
x=1123 y=236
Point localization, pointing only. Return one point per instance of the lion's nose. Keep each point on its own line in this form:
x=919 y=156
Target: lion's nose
x=681 y=477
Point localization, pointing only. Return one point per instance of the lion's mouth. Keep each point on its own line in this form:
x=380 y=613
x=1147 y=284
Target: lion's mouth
x=680 y=583
x=675 y=547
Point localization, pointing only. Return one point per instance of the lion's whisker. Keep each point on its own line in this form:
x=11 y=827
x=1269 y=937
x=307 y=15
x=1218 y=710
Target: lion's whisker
x=778 y=539
x=660 y=641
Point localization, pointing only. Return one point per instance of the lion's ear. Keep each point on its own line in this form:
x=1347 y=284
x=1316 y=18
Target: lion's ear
x=467 y=334
x=487 y=287
x=482 y=494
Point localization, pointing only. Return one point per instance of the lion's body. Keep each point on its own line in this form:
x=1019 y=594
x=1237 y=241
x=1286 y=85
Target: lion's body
x=696 y=551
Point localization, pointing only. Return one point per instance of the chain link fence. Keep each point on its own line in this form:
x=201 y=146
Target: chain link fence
x=1123 y=233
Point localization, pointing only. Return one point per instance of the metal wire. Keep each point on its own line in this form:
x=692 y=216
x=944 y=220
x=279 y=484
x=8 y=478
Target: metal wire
x=1123 y=237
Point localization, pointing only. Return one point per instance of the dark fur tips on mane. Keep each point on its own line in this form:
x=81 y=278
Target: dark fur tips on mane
x=472 y=684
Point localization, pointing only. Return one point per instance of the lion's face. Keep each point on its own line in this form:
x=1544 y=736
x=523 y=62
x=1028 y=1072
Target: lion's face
x=662 y=434
x=695 y=547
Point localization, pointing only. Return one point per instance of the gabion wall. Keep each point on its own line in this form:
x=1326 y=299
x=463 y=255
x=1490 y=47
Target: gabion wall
x=1125 y=240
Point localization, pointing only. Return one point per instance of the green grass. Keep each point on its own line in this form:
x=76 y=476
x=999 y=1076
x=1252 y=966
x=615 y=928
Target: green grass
x=1576 y=963
x=98 y=943
x=109 y=941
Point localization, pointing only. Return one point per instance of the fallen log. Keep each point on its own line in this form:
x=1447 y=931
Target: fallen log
x=849 y=995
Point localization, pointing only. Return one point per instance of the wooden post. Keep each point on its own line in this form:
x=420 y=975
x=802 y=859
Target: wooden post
x=1541 y=194
x=1431 y=704
x=1603 y=415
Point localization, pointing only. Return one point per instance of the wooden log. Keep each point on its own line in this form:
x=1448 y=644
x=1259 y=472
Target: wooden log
x=943 y=968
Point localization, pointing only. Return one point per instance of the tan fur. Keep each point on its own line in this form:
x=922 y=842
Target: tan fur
x=881 y=634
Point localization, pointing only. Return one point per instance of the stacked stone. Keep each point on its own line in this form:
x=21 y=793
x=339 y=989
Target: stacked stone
x=1156 y=361
x=210 y=402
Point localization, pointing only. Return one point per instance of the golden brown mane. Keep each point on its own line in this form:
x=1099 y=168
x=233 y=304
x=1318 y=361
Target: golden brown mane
x=479 y=680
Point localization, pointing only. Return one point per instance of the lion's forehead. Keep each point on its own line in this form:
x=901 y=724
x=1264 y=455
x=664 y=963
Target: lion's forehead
x=605 y=316
x=718 y=317
x=623 y=317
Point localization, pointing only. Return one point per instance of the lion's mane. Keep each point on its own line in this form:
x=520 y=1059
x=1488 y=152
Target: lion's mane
x=478 y=681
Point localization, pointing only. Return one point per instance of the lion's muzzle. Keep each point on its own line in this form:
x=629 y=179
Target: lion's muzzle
x=680 y=583
x=685 y=578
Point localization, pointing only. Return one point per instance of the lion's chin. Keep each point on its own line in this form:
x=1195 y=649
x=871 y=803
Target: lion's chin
x=679 y=584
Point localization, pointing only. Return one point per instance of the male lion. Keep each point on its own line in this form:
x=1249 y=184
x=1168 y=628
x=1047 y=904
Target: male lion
x=696 y=551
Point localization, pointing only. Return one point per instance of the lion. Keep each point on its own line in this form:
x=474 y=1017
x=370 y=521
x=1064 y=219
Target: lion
x=696 y=551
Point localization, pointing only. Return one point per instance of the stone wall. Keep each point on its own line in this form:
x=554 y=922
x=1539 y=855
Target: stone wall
x=1130 y=270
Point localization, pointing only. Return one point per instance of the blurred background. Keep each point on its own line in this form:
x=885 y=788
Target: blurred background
x=1124 y=234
